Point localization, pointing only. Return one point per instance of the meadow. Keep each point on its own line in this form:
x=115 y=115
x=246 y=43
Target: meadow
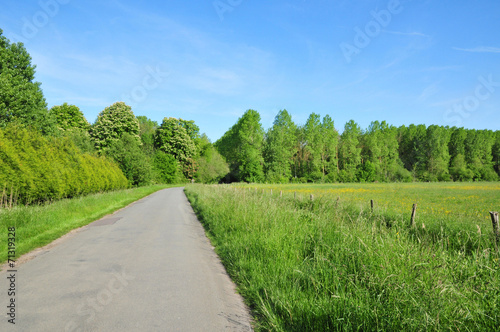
x=334 y=264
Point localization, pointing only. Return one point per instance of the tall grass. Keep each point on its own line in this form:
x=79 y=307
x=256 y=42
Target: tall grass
x=323 y=266
x=39 y=225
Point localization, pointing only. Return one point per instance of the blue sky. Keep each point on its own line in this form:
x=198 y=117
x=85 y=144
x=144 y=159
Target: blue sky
x=430 y=62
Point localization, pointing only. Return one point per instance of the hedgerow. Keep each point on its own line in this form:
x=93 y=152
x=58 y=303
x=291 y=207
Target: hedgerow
x=36 y=168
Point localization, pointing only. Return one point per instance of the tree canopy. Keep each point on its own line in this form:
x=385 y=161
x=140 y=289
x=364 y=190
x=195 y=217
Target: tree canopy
x=241 y=146
x=112 y=123
x=21 y=98
x=69 y=117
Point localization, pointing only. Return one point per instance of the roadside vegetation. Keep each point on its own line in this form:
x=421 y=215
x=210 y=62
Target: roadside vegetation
x=38 y=225
x=328 y=264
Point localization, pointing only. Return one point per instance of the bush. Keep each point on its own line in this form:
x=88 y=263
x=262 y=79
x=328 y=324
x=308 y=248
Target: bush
x=132 y=160
x=40 y=169
x=166 y=167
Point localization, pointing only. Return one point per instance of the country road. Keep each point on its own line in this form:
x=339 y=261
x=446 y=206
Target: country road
x=148 y=267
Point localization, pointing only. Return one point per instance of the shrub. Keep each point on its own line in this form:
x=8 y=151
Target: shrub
x=41 y=169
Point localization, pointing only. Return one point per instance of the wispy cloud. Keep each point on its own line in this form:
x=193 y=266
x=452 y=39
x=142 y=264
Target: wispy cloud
x=428 y=92
x=413 y=33
x=479 y=49
x=442 y=68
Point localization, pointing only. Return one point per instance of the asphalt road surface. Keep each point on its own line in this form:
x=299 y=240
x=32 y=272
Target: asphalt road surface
x=148 y=267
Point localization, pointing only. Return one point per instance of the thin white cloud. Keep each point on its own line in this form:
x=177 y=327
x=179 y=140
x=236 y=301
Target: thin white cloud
x=443 y=68
x=428 y=92
x=479 y=49
x=414 y=33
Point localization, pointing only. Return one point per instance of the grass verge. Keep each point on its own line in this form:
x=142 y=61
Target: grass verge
x=318 y=266
x=39 y=225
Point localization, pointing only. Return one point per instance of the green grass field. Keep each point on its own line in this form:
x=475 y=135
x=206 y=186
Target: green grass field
x=39 y=225
x=333 y=264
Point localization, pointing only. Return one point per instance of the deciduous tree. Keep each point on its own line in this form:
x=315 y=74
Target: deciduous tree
x=21 y=98
x=279 y=148
x=112 y=123
x=69 y=117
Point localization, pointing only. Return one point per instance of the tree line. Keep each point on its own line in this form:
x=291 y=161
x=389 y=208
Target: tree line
x=316 y=152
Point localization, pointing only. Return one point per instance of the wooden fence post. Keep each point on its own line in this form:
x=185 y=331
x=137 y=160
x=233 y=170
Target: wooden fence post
x=294 y=195
x=413 y=213
x=371 y=203
x=312 y=197
x=496 y=233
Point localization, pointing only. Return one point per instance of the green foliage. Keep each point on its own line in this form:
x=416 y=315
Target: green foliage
x=459 y=170
x=112 y=123
x=279 y=148
x=172 y=138
x=241 y=146
x=81 y=138
x=21 y=98
x=36 y=168
x=411 y=143
x=329 y=153
x=478 y=154
x=192 y=129
x=147 y=129
x=167 y=168
x=69 y=117
x=433 y=157
x=314 y=152
x=212 y=167
x=132 y=160
x=349 y=152
x=367 y=172
x=381 y=148
x=496 y=153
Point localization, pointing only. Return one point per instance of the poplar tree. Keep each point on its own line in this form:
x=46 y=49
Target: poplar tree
x=279 y=148
x=241 y=146
x=349 y=152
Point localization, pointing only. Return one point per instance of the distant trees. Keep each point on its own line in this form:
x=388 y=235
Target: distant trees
x=112 y=123
x=329 y=152
x=315 y=152
x=147 y=129
x=173 y=138
x=380 y=154
x=496 y=153
x=212 y=167
x=241 y=146
x=279 y=148
x=350 y=152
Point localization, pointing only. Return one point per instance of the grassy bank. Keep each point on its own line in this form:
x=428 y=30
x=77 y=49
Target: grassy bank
x=323 y=266
x=37 y=226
